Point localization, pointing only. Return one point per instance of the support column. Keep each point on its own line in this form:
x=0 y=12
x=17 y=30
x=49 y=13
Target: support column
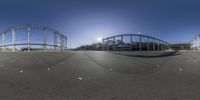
x=140 y=43
x=131 y=39
x=168 y=46
x=29 y=29
x=107 y=46
x=55 y=40
x=66 y=42
x=164 y=46
x=131 y=43
x=114 y=41
x=13 y=39
x=122 y=39
x=196 y=43
x=44 y=39
x=147 y=44
x=3 y=41
x=153 y=45
x=62 y=42
x=158 y=45
x=103 y=45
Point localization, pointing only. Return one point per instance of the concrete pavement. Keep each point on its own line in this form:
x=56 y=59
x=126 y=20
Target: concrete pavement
x=98 y=75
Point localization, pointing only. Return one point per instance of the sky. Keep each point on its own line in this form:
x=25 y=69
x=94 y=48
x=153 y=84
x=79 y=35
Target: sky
x=83 y=21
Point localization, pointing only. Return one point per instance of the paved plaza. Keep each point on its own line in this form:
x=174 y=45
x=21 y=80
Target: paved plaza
x=98 y=75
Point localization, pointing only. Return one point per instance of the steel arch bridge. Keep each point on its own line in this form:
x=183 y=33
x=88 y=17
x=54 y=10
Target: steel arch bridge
x=134 y=42
x=59 y=39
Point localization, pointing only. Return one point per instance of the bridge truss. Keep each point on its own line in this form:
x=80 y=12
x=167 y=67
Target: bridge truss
x=134 y=42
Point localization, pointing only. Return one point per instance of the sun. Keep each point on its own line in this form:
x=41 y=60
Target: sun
x=99 y=39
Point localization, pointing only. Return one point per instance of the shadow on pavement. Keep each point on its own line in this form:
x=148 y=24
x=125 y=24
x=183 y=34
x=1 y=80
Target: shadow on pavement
x=149 y=54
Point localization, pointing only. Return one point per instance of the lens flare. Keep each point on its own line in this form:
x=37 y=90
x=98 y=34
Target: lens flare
x=99 y=39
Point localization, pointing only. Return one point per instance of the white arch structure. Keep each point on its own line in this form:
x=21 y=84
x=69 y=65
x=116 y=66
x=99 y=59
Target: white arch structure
x=60 y=40
x=195 y=42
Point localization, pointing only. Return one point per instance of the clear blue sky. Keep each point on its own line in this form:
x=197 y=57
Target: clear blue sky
x=83 y=21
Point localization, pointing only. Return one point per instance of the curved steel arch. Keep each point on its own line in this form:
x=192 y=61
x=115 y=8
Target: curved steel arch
x=36 y=26
x=140 y=35
x=57 y=36
x=159 y=43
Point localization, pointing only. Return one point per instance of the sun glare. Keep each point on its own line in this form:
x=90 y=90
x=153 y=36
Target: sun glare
x=99 y=39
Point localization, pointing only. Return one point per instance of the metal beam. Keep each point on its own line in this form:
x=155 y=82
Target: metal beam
x=3 y=41
x=62 y=42
x=66 y=43
x=29 y=32
x=147 y=44
x=13 y=39
x=154 y=45
x=131 y=42
x=44 y=39
x=140 y=37
x=107 y=47
x=122 y=39
x=55 y=40
x=113 y=40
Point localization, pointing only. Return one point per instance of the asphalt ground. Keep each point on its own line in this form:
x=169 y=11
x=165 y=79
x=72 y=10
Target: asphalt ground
x=98 y=75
